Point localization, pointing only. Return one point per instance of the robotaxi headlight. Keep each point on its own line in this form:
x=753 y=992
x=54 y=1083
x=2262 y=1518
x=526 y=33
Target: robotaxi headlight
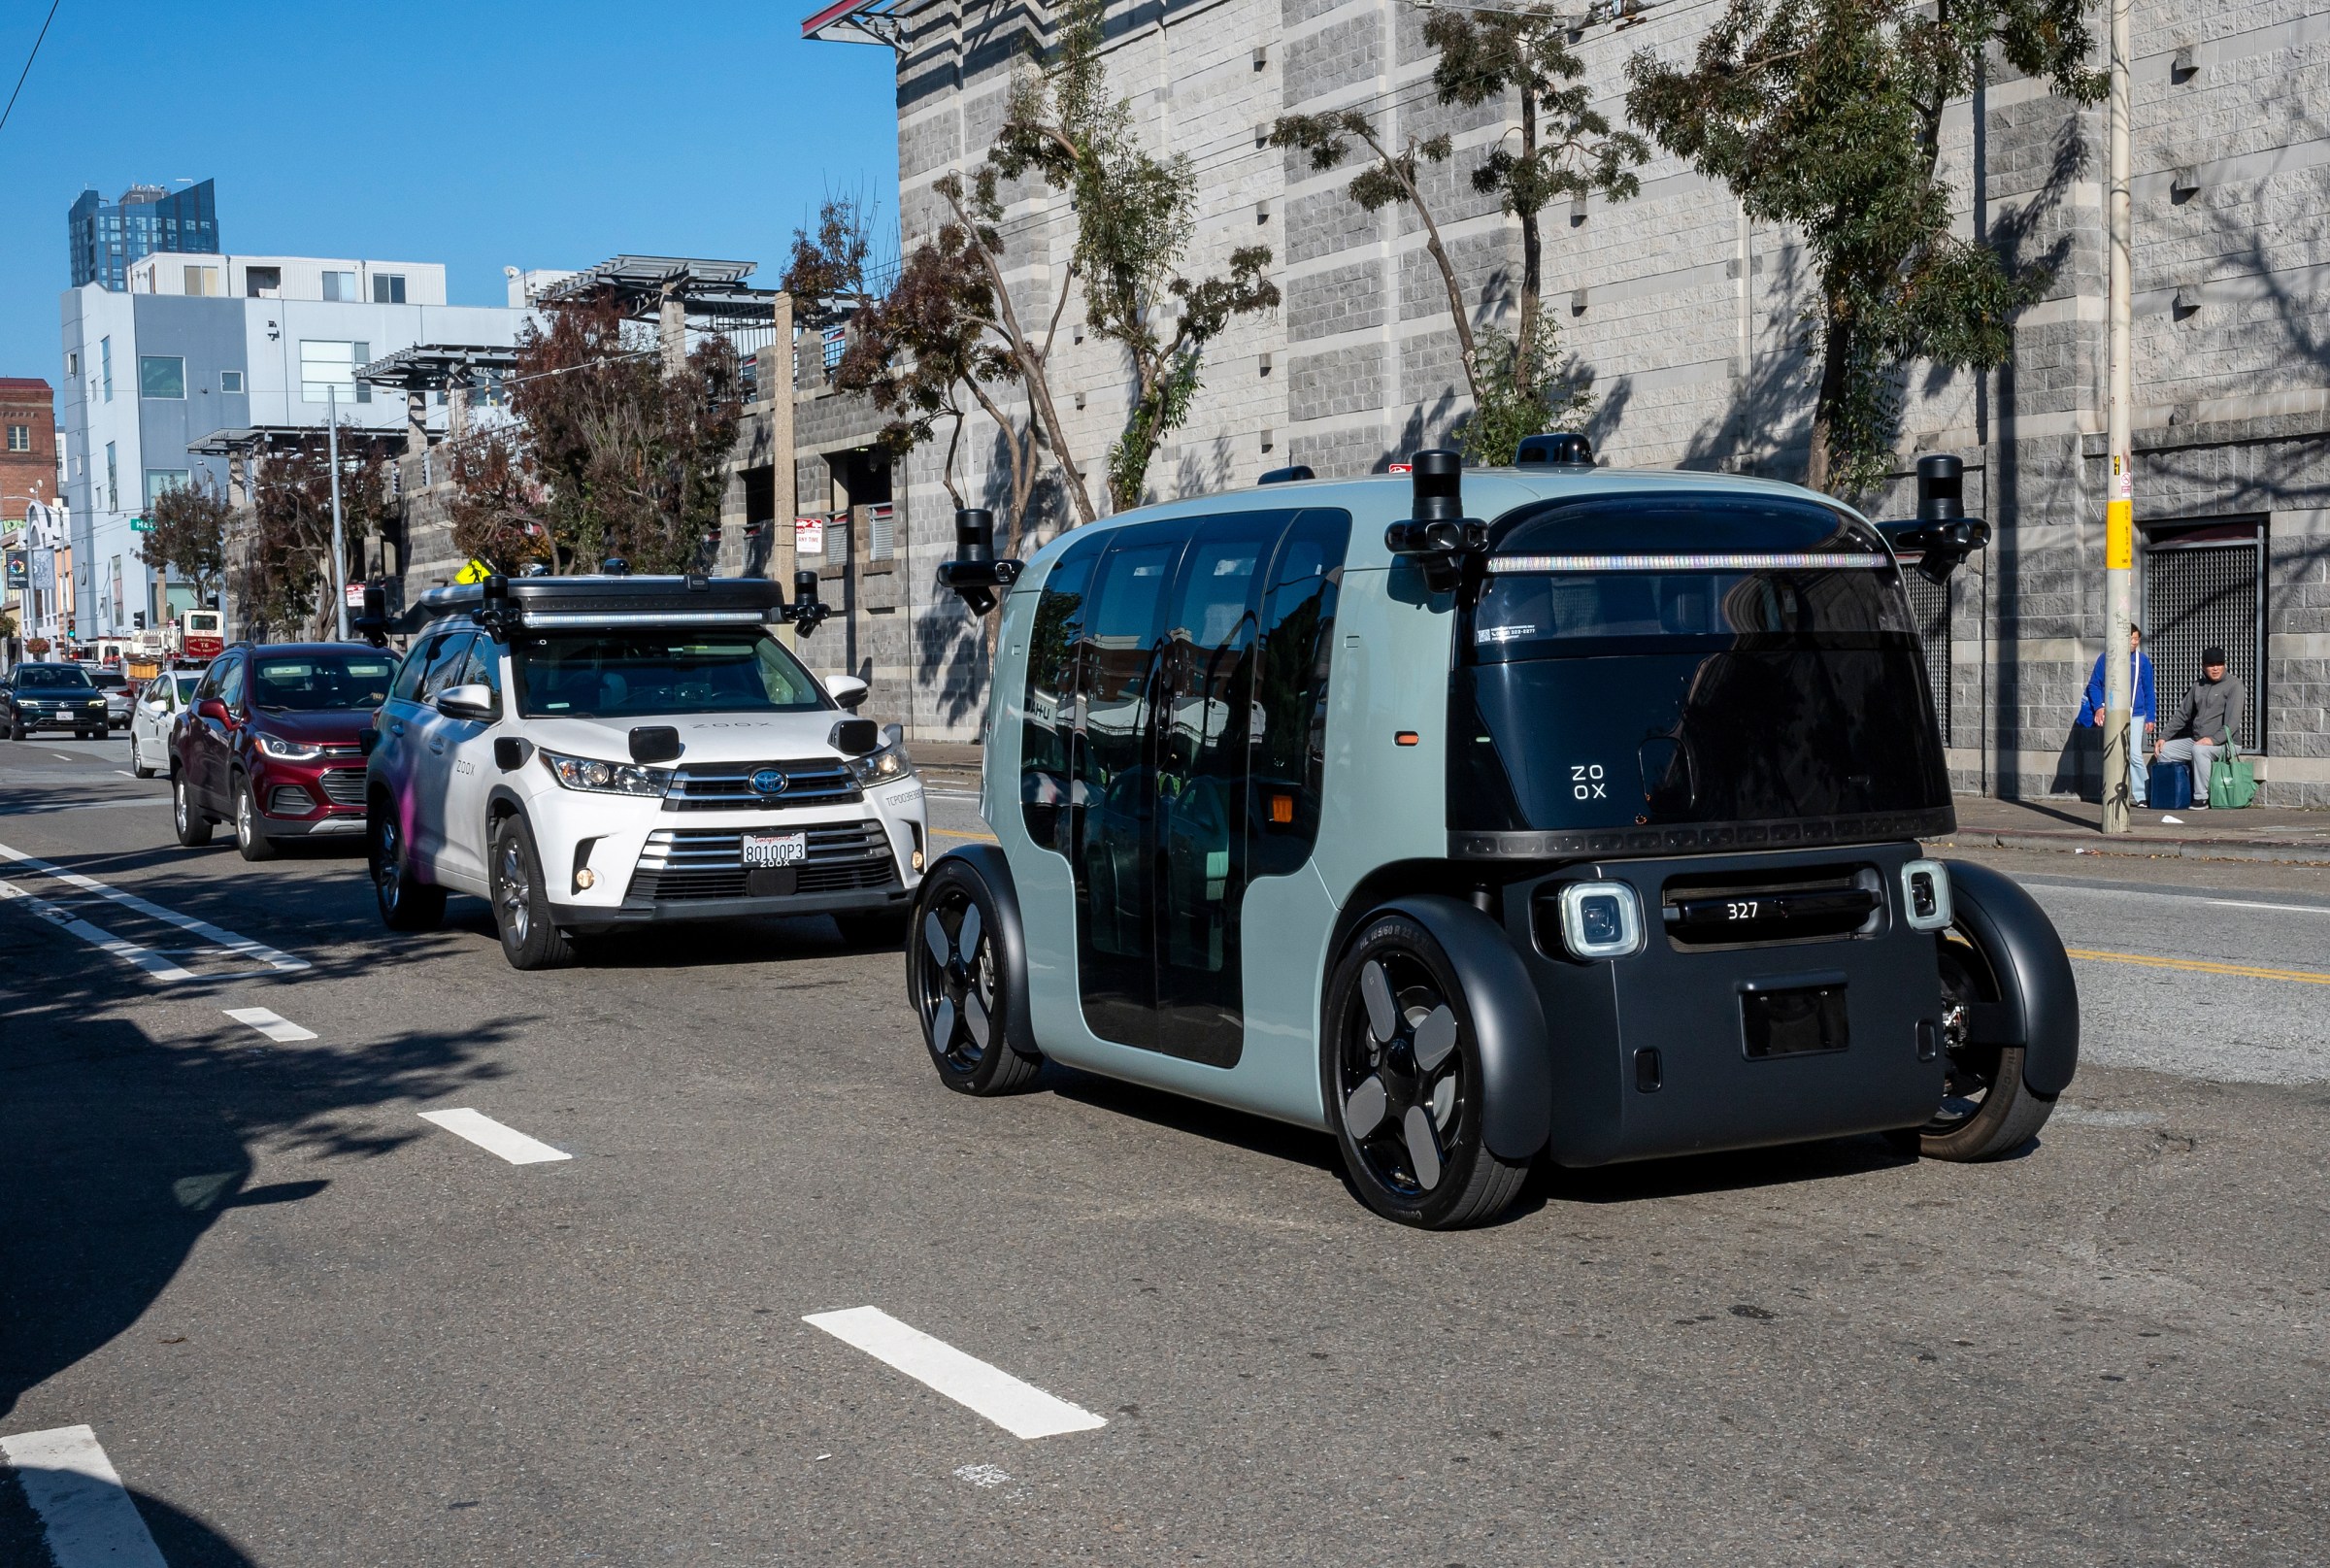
x=1601 y=920
x=1925 y=895
x=595 y=777
x=288 y=750
x=885 y=766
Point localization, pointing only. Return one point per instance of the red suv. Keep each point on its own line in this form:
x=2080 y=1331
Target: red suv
x=269 y=743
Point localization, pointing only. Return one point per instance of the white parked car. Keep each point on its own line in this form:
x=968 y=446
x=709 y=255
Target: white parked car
x=594 y=752
x=160 y=702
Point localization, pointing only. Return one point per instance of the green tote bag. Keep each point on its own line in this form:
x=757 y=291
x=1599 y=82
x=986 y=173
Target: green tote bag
x=2232 y=780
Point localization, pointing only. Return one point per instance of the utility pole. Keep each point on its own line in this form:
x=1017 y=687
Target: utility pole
x=2119 y=511
x=331 y=403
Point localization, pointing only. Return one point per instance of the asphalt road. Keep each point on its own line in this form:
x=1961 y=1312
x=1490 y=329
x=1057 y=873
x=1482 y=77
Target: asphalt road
x=311 y=1329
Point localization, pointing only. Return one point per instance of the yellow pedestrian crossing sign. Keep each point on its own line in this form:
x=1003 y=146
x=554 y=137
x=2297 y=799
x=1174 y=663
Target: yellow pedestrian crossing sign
x=477 y=571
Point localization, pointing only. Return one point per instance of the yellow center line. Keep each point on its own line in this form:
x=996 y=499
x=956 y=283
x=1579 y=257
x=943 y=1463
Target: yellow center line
x=955 y=833
x=2306 y=977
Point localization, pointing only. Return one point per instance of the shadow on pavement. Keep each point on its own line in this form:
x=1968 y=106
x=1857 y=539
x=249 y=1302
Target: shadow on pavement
x=185 y=1541
x=122 y=1150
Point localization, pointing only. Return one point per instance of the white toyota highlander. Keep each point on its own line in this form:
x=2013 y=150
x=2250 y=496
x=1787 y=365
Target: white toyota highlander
x=591 y=752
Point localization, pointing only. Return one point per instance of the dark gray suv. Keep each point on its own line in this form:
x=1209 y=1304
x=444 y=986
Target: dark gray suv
x=51 y=696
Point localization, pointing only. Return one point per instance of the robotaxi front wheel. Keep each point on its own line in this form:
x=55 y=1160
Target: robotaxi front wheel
x=521 y=907
x=962 y=989
x=1404 y=1083
x=405 y=903
x=1987 y=1112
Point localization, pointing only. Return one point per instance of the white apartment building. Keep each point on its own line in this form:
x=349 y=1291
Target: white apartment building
x=202 y=344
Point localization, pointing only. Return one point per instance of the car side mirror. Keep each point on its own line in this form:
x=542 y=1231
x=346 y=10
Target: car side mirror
x=845 y=689
x=474 y=702
x=214 y=710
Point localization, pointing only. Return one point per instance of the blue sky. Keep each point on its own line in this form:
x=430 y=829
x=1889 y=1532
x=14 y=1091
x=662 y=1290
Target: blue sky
x=482 y=135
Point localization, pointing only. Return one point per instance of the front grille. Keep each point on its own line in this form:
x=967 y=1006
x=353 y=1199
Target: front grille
x=726 y=786
x=351 y=749
x=1768 y=907
x=344 y=786
x=684 y=863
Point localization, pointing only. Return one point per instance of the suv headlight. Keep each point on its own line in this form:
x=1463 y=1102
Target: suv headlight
x=275 y=746
x=605 y=777
x=885 y=766
x=1601 y=920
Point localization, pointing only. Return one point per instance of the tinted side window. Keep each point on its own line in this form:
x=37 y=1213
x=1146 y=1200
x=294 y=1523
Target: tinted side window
x=211 y=678
x=230 y=683
x=1288 y=745
x=483 y=668
x=444 y=664
x=1048 y=734
x=407 y=688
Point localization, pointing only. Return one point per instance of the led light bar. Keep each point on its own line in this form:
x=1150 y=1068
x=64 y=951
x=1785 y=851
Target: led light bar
x=643 y=617
x=1780 y=562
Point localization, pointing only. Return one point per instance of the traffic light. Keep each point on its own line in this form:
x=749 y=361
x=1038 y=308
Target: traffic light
x=137 y=621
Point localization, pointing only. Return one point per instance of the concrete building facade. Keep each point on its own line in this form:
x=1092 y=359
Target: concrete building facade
x=1686 y=323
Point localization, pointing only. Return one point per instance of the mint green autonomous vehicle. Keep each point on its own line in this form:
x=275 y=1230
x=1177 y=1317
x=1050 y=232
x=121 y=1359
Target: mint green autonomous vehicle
x=1481 y=817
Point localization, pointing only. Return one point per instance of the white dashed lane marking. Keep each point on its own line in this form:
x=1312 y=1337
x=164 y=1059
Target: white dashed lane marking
x=96 y=936
x=85 y=1512
x=488 y=1134
x=273 y=1025
x=241 y=945
x=1020 y=1409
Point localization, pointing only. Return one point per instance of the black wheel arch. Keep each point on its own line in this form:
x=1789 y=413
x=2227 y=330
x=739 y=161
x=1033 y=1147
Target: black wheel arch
x=2038 y=998
x=1508 y=1024
x=986 y=862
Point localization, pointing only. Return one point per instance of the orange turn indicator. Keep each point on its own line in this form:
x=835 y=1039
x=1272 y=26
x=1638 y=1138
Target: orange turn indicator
x=1405 y=737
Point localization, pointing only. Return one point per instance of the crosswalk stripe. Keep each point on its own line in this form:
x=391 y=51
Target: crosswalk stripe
x=85 y=1512
x=269 y=1022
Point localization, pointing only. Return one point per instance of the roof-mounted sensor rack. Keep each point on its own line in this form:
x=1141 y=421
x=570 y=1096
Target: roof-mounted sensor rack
x=604 y=600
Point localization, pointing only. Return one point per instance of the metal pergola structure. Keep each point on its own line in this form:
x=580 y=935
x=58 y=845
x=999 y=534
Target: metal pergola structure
x=712 y=291
x=438 y=367
x=859 y=22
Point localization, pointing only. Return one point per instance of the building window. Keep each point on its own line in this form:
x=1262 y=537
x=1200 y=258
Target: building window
x=73 y=365
x=324 y=364
x=387 y=289
x=202 y=282
x=262 y=283
x=105 y=366
x=340 y=285
x=113 y=486
x=161 y=376
x=230 y=381
x=19 y=438
x=162 y=481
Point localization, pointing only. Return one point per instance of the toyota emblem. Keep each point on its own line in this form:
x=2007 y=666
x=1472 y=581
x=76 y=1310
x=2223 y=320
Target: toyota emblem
x=769 y=781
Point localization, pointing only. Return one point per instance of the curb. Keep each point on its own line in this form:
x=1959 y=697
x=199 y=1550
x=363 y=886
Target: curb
x=2283 y=852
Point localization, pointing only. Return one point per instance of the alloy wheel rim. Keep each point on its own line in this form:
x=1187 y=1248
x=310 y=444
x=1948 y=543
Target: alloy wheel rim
x=387 y=872
x=958 y=981
x=243 y=823
x=517 y=899
x=1970 y=1071
x=1401 y=1084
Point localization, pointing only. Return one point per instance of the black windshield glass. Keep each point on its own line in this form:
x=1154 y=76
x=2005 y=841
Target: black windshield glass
x=627 y=675
x=316 y=682
x=30 y=675
x=1777 y=679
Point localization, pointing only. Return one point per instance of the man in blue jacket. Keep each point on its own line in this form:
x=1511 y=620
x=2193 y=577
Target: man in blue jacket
x=2142 y=714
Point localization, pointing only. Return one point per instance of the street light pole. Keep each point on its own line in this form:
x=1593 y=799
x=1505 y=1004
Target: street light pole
x=331 y=401
x=2119 y=511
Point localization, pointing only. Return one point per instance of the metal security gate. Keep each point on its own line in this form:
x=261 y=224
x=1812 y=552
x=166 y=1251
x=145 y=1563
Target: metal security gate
x=2204 y=584
x=1929 y=602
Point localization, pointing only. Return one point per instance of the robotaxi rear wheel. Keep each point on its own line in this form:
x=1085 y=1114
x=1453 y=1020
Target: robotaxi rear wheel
x=961 y=988
x=405 y=903
x=1987 y=1111
x=1404 y=1086
x=521 y=906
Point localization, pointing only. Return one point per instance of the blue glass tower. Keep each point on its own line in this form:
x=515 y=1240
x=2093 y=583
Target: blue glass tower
x=106 y=237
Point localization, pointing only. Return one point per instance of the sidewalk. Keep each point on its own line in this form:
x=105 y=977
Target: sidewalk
x=2255 y=833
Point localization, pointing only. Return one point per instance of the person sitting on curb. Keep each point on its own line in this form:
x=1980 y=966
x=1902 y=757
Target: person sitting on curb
x=2203 y=726
x=2142 y=714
